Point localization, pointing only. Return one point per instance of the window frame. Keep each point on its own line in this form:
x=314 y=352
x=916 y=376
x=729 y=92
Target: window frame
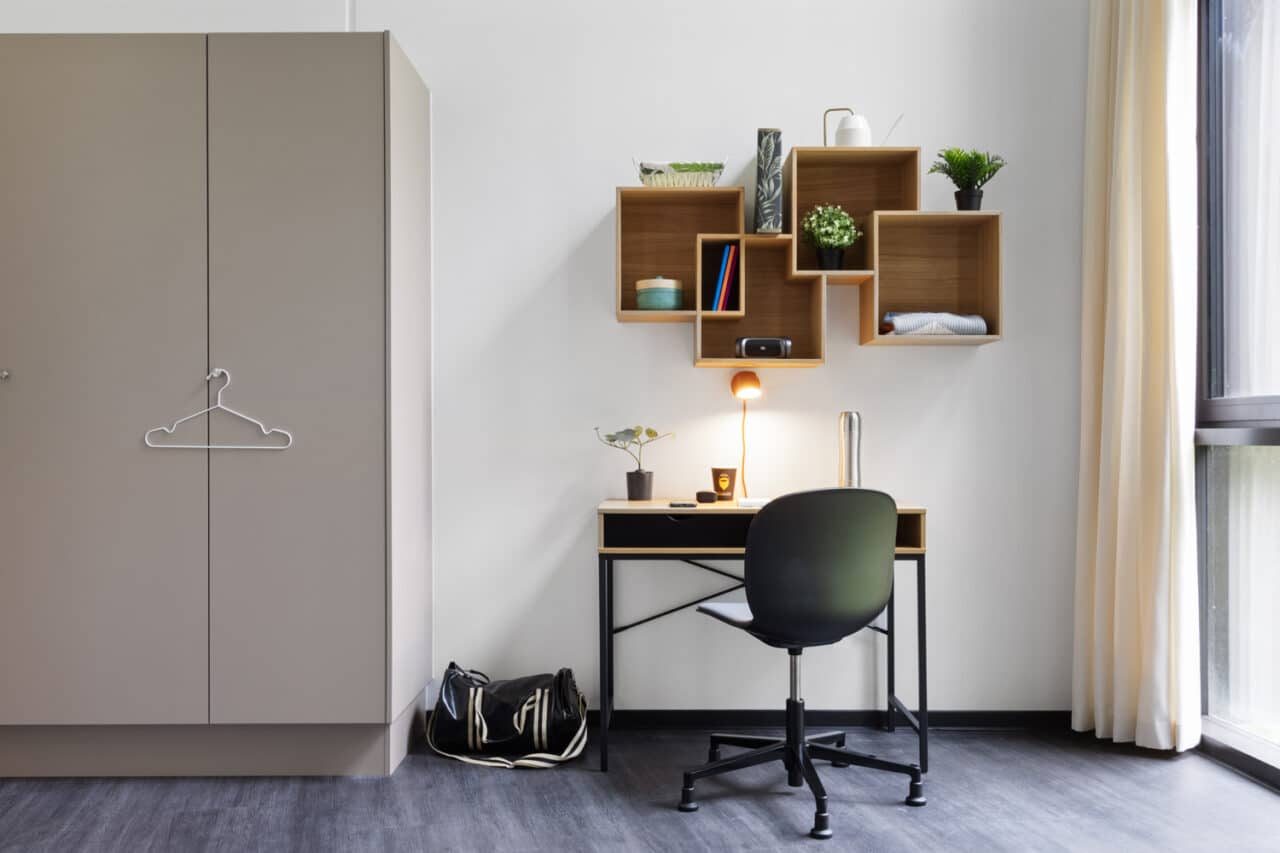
x=1220 y=421
x=1218 y=418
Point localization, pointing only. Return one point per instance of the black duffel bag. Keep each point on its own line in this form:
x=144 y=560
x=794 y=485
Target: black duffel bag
x=535 y=721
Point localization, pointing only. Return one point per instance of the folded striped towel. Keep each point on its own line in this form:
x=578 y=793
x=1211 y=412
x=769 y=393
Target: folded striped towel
x=930 y=323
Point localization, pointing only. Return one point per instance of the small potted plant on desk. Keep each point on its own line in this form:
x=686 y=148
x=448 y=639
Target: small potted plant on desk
x=969 y=171
x=639 y=481
x=830 y=231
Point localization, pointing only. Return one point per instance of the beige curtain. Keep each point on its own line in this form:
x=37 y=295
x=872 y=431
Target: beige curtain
x=1137 y=662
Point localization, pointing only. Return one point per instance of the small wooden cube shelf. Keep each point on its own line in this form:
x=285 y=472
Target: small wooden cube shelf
x=777 y=304
x=657 y=231
x=934 y=261
x=907 y=260
x=860 y=180
x=710 y=254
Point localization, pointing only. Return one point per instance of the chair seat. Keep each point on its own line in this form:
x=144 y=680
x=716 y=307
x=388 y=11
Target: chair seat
x=739 y=615
x=735 y=613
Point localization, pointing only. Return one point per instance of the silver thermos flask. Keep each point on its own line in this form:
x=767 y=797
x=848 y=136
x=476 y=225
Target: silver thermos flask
x=850 y=450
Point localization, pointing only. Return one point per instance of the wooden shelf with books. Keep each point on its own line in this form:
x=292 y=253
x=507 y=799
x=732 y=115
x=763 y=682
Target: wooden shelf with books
x=776 y=304
x=713 y=268
x=907 y=261
x=656 y=235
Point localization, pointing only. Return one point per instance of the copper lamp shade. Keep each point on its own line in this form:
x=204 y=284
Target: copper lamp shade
x=745 y=385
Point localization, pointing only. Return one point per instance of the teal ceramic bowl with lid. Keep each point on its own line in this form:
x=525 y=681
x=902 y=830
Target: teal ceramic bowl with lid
x=659 y=294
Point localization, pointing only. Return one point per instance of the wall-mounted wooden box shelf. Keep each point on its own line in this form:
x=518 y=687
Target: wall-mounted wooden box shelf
x=860 y=180
x=777 y=304
x=657 y=232
x=709 y=256
x=907 y=259
x=934 y=261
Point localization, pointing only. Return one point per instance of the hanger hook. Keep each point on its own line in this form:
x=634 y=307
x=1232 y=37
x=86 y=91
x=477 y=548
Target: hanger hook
x=214 y=374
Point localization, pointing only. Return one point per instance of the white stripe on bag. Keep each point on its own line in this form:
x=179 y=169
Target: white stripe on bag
x=537 y=760
x=546 y=712
x=482 y=728
x=471 y=718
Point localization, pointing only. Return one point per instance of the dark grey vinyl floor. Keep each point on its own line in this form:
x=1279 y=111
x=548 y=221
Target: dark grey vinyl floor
x=987 y=791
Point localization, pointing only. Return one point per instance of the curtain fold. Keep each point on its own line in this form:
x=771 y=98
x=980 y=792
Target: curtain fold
x=1136 y=673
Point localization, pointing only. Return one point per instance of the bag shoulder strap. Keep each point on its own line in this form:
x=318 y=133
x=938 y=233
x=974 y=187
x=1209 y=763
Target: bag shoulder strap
x=539 y=760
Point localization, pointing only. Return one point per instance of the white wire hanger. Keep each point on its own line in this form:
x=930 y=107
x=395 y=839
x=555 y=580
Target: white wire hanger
x=218 y=406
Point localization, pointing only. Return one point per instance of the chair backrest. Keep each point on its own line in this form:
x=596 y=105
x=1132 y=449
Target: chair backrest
x=819 y=565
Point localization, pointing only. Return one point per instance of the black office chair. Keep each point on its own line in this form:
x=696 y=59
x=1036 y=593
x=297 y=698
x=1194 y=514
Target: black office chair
x=819 y=567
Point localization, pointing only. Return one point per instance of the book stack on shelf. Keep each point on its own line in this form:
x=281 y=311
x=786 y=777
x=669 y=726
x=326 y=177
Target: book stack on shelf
x=726 y=278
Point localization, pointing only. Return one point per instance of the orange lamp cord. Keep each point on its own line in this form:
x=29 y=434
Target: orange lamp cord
x=742 y=466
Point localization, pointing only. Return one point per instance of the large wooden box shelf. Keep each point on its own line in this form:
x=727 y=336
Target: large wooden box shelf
x=777 y=304
x=907 y=259
x=934 y=261
x=657 y=232
x=860 y=180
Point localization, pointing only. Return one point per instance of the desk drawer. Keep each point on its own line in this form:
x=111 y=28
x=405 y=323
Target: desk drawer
x=674 y=531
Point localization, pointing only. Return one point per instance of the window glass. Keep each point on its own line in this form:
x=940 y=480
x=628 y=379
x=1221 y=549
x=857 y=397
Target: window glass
x=1243 y=613
x=1250 y=50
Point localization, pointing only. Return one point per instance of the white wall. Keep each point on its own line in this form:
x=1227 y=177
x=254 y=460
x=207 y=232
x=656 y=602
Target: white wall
x=539 y=108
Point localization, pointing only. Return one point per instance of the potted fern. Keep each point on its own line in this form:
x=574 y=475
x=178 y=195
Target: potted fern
x=830 y=231
x=639 y=481
x=969 y=171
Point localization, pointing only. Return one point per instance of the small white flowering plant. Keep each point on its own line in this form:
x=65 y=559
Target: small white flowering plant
x=827 y=226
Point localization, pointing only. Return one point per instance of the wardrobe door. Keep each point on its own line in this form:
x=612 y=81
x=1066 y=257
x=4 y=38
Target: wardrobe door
x=103 y=564
x=296 y=296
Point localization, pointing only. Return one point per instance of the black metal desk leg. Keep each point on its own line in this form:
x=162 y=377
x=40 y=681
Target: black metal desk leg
x=889 y=664
x=924 y=679
x=606 y=655
x=609 y=573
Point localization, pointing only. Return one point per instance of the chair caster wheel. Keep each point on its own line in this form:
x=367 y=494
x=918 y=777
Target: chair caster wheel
x=915 y=796
x=687 y=802
x=840 y=745
x=821 y=826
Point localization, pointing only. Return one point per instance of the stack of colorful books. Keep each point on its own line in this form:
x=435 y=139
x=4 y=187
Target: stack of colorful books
x=724 y=283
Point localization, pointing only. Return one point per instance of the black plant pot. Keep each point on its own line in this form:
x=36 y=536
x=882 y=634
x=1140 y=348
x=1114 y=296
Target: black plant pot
x=830 y=259
x=639 y=485
x=968 y=199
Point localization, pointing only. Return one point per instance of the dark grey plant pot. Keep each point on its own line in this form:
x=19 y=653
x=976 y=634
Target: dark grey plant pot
x=639 y=485
x=968 y=199
x=830 y=259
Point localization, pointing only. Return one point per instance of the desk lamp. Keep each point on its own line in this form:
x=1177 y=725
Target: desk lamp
x=745 y=385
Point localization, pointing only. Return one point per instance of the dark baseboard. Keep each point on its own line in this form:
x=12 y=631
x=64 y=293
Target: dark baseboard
x=729 y=719
x=1241 y=762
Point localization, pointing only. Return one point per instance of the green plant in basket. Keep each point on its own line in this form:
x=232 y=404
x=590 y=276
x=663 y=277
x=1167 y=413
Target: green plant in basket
x=827 y=226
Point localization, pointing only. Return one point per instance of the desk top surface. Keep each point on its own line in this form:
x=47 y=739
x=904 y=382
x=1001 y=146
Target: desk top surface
x=663 y=506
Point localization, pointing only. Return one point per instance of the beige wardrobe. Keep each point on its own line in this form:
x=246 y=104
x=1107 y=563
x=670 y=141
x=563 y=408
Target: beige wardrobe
x=172 y=204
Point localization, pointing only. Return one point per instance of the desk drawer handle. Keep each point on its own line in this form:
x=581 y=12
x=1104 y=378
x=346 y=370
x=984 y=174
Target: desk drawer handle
x=679 y=519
